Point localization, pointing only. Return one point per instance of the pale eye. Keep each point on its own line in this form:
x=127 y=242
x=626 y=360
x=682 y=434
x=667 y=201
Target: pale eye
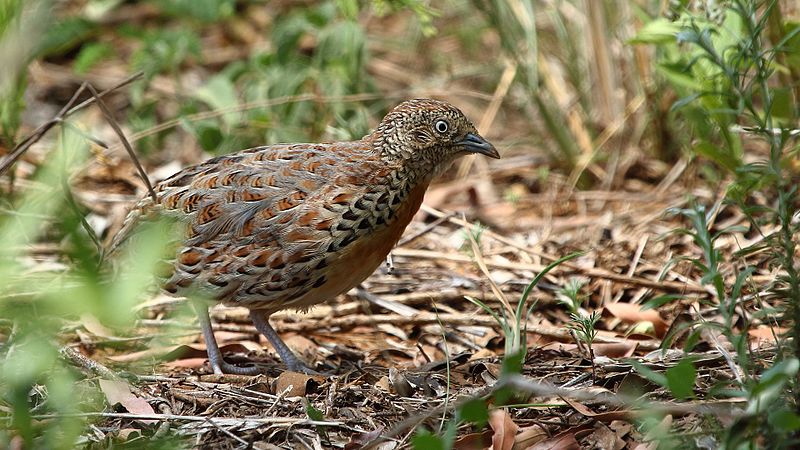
x=441 y=126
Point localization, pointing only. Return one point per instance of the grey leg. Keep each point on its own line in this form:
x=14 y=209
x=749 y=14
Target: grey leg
x=214 y=356
x=293 y=363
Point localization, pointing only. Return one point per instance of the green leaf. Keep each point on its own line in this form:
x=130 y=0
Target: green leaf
x=680 y=379
x=475 y=411
x=65 y=35
x=12 y=103
x=220 y=94
x=348 y=8
x=512 y=363
x=314 y=413
x=771 y=385
x=203 y=10
x=425 y=440
x=691 y=341
x=718 y=155
x=650 y=374
x=679 y=75
x=90 y=55
x=658 y=31
x=784 y=420
x=661 y=300
x=681 y=102
x=317 y=415
x=209 y=136
x=164 y=50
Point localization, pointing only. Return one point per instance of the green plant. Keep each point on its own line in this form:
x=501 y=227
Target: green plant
x=679 y=379
x=472 y=234
x=726 y=297
x=511 y=319
x=21 y=27
x=582 y=327
x=726 y=65
x=570 y=295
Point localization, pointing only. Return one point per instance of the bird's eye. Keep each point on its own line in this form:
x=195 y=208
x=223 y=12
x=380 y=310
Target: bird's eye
x=441 y=126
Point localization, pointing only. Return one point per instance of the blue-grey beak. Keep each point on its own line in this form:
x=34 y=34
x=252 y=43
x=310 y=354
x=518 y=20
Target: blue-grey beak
x=474 y=143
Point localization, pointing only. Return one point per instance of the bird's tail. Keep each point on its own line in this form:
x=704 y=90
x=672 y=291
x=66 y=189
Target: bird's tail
x=145 y=208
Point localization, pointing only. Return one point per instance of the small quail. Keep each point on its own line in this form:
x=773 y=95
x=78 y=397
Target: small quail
x=292 y=225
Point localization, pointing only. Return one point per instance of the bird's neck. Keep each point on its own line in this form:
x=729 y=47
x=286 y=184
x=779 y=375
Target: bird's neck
x=410 y=169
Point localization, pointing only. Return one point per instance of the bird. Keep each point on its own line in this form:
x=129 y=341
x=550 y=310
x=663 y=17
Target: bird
x=289 y=226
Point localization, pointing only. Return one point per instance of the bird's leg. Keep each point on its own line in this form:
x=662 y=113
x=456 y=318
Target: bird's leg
x=261 y=321
x=218 y=365
x=389 y=264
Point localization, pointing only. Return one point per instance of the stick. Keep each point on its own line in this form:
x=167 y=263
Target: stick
x=67 y=110
x=125 y=143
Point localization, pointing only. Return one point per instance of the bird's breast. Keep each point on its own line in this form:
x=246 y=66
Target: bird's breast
x=349 y=266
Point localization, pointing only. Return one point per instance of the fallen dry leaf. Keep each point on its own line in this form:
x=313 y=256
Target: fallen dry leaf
x=607 y=416
x=118 y=391
x=615 y=350
x=504 y=429
x=474 y=441
x=605 y=438
x=632 y=313
x=529 y=436
x=400 y=383
x=235 y=337
x=765 y=335
x=293 y=384
x=174 y=352
x=383 y=384
x=186 y=363
x=92 y=325
x=301 y=344
x=358 y=440
x=125 y=433
x=562 y=441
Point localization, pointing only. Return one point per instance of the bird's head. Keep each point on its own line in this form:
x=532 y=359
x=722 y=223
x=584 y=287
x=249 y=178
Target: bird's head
x=428 y=133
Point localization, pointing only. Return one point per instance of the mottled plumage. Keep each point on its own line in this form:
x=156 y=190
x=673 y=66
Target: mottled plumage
x=293 y=225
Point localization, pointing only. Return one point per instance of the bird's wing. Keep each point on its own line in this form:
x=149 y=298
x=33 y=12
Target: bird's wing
x=261 y=217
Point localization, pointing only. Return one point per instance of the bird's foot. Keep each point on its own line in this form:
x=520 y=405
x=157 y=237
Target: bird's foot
x=293 y=364
x=223 y=367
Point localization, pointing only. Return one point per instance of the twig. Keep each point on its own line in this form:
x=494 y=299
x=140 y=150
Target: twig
x=379 y=301
x=67 y=110
x=124 y=140
x=235 y=437
x=756 y=130
x=662 y=285
x=228 y=421
x=423 y=318
x=428 y=228
x=102 y=371
x=281 y=395
x=89 y=364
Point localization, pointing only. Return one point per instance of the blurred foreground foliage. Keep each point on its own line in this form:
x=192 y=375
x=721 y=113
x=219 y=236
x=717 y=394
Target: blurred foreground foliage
x=39 y=300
